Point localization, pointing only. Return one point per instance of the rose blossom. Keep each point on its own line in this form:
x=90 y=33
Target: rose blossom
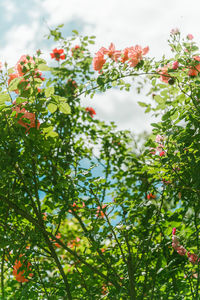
x=175 y=31
x=175 y=65
x=91 y=111
x=190 y=36
x=111 y=52
x=98 y=61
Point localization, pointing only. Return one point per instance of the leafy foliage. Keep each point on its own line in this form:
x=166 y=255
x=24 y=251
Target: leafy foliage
x=83 y=209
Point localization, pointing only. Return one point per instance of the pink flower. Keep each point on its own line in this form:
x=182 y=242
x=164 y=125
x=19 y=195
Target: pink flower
x=135 y=54
x=159 y=138
x=111 y=52
x=98 y=61
x=124 y=56
x=164 y=76
x=91 y=111
x=181 y=250
x=194 y=71
x=100 y=211
x=26 y=115
x=192 y=258
x=175 y=65
x=190 y=36
x=174 y=231
x=160 y=148
x=175 y=244
x=153 y=151
x=74 y=243
x=175 y=31
x=23 y=63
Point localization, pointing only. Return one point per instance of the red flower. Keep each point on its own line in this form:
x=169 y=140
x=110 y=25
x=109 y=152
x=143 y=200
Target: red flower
x=91 y=111
x=151 y=196
x=58 y=54
x=174 y=231
x=162 y=153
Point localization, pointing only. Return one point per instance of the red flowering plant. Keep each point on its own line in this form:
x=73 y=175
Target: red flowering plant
x=61 y=233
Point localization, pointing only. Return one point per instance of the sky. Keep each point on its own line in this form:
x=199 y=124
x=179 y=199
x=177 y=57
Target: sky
x=23 y=25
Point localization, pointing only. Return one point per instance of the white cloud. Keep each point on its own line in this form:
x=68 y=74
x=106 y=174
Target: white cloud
x=10 y=8
x=19 y=41
x=122 y=108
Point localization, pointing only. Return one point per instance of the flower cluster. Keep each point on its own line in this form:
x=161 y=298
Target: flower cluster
x=58 y=54
x=25 y=115
x=160 y=148
x=100 y=212
x=74 y=243
x=193 y=258
x=167 y=78
x=133 y=55
x=24 y=65
x=75 y=206
x=163 y=71
x=19 y=269
x=58 y=236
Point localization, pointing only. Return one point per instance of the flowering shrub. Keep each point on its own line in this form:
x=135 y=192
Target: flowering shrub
x=61 y=169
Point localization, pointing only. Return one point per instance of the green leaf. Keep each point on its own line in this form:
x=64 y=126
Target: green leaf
x=174 y=116
x=155 y=125
x=4 y=97
x=52 y=107
x=49 y=131
x=142 y=104
x=166 y=116
x=44 y=67
x=148 y=109
x=10 y=71
x=20 y=100
x=159 y=99
x=49 y=91
x=75 y=32
x=65 y=108
x=14 y=84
